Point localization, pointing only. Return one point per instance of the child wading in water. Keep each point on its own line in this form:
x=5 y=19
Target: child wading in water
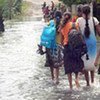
x=71 y=64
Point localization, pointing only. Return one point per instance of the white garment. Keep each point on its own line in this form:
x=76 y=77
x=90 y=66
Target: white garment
x=90 y=42
x=81 y=21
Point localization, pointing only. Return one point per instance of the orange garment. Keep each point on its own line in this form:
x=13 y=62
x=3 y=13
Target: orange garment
x=65 y=30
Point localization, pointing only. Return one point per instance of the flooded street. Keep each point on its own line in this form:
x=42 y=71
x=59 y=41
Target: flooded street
x=22 y=72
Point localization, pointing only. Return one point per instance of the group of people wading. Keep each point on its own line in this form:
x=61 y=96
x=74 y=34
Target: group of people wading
x=61 y=23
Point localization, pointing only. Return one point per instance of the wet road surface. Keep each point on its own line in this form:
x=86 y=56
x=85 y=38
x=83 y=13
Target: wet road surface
x=17 y=58
x=22 y=72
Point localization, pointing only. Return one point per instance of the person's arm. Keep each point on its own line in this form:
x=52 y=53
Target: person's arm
x=98 y=29
x=97 y=25
x=60 y=32
x=97 y=58
x=62 y=39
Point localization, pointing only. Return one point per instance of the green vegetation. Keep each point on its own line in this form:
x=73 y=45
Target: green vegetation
x=25 y=7
x=14 y=8
x=98 y=1
x=1 y=3
x=98 y=38
x=1 y=6
x=70 y=2
x=24 y=10
x=10 y=8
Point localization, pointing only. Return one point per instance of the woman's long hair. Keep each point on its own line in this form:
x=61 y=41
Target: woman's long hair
x=57 y=16
x=86 y=11
x=79 y=10
x=65 y=19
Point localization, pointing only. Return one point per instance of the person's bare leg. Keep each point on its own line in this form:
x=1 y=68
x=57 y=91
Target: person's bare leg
x=77 y=80
x=92 y=76
x=97 y=58
x=70 y=80
x=87 y=77
x=56 y=75
x=52 y=73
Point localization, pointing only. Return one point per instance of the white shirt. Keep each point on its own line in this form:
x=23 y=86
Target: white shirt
x=81 y=21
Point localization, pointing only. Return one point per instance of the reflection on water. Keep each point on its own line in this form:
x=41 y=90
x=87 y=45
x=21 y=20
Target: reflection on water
x=22 y=72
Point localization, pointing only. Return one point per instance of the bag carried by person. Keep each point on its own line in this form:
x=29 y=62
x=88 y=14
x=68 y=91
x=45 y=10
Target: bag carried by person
x=76 y=43
x=48 y=36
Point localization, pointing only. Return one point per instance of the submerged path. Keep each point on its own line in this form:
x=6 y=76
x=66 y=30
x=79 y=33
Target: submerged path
x=22 y=72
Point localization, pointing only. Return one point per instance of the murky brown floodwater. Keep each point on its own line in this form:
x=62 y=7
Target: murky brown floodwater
x=22 y=72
